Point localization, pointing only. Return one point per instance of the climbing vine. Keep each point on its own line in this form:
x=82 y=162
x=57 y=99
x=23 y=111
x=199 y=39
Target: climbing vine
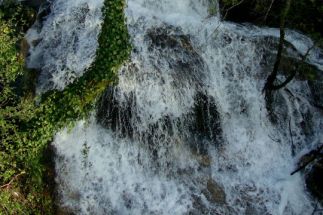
x=27 y=127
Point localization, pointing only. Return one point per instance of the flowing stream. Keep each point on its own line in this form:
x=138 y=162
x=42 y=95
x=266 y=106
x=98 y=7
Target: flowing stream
x=186 y=130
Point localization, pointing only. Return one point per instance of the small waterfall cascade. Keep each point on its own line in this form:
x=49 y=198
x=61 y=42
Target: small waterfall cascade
x=187 y=129
x=63 y=41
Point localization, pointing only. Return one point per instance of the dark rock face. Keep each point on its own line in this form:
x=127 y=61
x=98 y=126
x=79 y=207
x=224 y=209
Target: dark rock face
x=204 y=123
x=43 y=10
x=172 y=53
x=314 y=180
x=114 y=114
x=171 y=56
x=198 y=128
x=207 y=119
x=175 y=54
x=317 y=92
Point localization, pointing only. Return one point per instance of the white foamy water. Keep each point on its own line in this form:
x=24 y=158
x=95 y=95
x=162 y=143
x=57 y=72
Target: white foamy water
x=186 y=131
x=63 y=44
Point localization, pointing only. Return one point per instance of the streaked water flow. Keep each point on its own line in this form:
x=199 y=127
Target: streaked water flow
x=186 y=130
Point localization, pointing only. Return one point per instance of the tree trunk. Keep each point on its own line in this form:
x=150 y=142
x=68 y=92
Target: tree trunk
x=272 y=77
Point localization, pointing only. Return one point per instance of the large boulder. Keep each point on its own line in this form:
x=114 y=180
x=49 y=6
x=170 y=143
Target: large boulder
x=175 y=54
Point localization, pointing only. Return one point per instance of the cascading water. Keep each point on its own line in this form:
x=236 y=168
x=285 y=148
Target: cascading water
x=63 y=44
x=186 y=130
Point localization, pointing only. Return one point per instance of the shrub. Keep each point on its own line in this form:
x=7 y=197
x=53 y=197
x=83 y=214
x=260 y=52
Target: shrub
x=27 y=128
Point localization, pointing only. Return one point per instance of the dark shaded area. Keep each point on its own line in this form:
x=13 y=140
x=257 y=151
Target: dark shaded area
x=316 y=87
x=304 y=15
x=253 y=11
x=48 y=160
x=314 y=180
x=22 y=16
x=172 y=51
x=34 y=3
x=204 y=123
x=207 y=119
x=199 y=127
x=114 y=114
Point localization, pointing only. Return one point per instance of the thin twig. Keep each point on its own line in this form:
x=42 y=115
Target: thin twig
x=230 y=8
x=295 y=71
x=225 y=15
x=4 y=209
x=315 y=208
x=272 y=77
x=271 y=5
x=315 y=154
x=12 y=180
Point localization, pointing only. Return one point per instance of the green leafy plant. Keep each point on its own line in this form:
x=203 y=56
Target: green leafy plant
x=27 y=128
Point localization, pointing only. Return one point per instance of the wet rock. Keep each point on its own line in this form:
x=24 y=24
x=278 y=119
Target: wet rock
x=290 y=59
x=24 y=47
x=43 y=10
x=115 y=114
x=176 y=55
x=214 y=192
x=316 y=87
x=207 y=118
x=204 y=160
x=295 y=122
x=255 y=209
x=35 y=42
x=314 y=180
x=64 y=211
x=199 y=206
x=204 y=124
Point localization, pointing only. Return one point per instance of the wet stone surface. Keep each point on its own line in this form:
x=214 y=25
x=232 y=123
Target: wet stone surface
x=314 y=180
x=175 y=53
x=214 y=192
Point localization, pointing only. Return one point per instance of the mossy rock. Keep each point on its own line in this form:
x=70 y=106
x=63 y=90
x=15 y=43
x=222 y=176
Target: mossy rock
x=214 y=192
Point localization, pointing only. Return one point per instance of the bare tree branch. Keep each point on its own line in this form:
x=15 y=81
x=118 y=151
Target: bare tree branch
x=294 y=72
x=314 y=155
x=12 y=180
x=272 y=77
x=230 y=8
x=271 y=5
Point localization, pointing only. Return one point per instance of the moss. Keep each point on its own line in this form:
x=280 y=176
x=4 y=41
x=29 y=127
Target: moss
x=27 y=128
x=212 y=7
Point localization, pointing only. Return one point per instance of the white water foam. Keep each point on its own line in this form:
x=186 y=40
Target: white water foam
x=101 y=172
x=63 y=43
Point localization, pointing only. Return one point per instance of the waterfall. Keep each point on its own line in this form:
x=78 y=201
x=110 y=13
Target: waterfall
x=186 y=130
x=63 y=42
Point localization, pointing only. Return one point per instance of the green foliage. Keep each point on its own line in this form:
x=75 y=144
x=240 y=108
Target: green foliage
x=27 y=128
x=212 y=8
